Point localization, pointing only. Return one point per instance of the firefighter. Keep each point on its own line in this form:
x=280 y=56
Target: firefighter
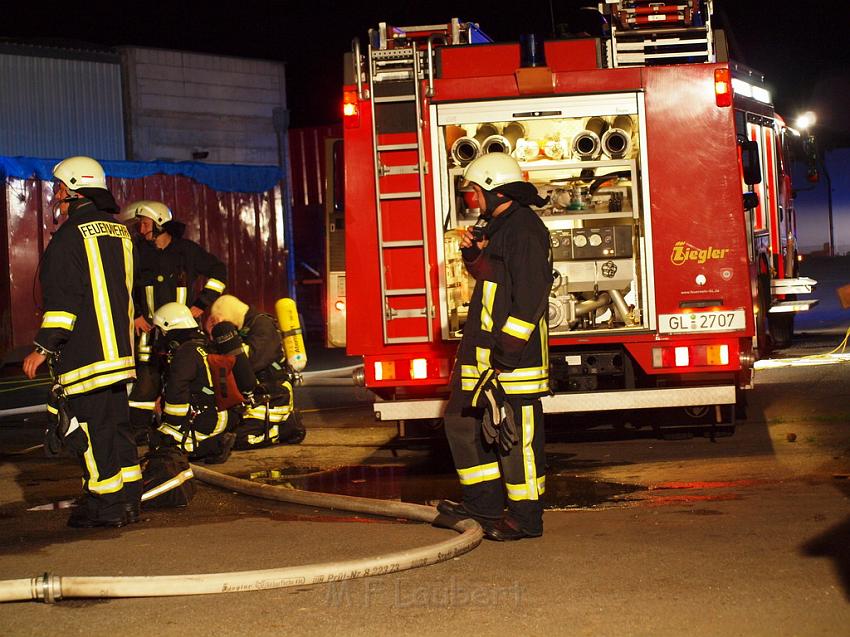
x=273 y=419
x=86 y=280
x=190 y=419
x=170 y=267
x=494 y=417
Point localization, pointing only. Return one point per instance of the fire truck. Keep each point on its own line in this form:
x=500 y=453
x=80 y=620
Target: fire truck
x=670 y=209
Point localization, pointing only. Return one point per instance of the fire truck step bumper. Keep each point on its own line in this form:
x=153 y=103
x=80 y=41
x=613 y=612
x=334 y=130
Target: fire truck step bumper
x=580 y=401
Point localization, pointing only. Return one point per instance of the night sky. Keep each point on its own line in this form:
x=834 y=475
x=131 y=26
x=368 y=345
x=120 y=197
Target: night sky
x=803 y=52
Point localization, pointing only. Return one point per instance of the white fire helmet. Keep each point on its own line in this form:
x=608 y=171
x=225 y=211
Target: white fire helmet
x=493 y=170
x=174 y=316
x=80 y=172
x=157 y=211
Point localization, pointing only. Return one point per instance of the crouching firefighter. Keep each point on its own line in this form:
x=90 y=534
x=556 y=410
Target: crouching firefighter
x=272 y=418
x=190 y=419
x=494 y=417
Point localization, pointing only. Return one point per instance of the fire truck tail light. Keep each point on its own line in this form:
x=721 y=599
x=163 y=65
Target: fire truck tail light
x=717 y=354
x=690 y=356
x=350 y=109
x=722 y=87
x=384 y=370
x=419 y=368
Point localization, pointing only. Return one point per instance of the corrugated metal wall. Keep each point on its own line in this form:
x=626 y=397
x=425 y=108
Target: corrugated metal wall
x=244 y=229
x=55 y=107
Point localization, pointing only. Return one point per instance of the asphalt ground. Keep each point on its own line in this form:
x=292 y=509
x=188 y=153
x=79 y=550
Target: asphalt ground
x=748 y=534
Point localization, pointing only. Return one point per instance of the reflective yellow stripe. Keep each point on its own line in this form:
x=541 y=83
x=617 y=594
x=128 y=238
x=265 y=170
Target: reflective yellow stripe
x=128 y=280
x=469 y=371
x=220 y=424
x=520 y=491
x=177 y=435
x=131 y=474
x=100 y=297
x=529 y=466
x=482 y=357
x=94 y=483
x=215 y=285
x=144 y=342
x=526 y=388
x=544 y=341
x=484 y=378
x=168 y=485
x=100 y=381
x=276 y=414
x=518 y=328
x=146 y=405
x=488 y=295
x=181 y=294
x=523 y=373
x=203 y=354
x=96 y=368
x=255 y=440
x=177 y=410
x=144 y=351
x=150 y=300
x=481 y=473
x=52 y=409
x=55 y=318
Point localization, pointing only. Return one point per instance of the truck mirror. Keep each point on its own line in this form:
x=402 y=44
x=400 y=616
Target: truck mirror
x=751 y=200
x=750 y=163
x=810 y=152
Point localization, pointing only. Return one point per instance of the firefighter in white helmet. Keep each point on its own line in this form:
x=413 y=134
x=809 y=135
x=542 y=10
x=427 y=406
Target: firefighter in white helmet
x=502 y=363
x=273 y=419
x=190 y=419
x=85 y=277
x=171 y=270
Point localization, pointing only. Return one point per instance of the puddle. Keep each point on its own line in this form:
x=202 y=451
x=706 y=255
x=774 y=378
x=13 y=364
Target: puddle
x=406 y=484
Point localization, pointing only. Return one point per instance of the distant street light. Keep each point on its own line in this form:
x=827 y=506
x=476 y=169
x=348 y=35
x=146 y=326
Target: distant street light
x=806 y=120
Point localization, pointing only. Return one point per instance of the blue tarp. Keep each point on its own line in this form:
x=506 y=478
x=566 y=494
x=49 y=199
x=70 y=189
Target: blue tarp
x=220 y=177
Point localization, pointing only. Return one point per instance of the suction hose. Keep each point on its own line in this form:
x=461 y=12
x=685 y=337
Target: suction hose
x=51 y=588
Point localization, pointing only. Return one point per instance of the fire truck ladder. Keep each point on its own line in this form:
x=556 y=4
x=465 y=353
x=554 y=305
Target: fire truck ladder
x=648 y=33
x=394 y=85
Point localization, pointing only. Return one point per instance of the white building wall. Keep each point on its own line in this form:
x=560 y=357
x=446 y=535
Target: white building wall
x=181 y=103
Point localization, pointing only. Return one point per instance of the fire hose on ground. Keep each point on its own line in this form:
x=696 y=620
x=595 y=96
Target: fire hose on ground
x=50 y=588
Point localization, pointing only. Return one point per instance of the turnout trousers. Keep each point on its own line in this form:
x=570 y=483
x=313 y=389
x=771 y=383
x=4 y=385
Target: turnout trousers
x=106 y=451
x=488 y=476
x=146 y=389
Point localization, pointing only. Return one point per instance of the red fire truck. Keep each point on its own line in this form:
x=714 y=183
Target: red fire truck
x=669 y=209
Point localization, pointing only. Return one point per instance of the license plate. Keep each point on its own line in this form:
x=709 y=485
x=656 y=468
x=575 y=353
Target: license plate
x=717 y=321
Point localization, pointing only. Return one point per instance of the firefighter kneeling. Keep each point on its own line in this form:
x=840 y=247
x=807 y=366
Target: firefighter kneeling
x=190 y=418
x=271 y=418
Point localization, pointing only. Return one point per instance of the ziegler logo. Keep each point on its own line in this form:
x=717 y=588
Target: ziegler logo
x=684 y=252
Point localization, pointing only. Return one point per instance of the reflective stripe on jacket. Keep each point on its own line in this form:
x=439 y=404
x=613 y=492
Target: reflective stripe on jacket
x=86 y=278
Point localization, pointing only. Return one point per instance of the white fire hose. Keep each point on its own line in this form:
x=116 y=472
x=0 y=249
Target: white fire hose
x=51 y=588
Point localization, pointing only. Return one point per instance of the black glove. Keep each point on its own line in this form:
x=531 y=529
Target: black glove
x=489 y=395
x=226 y=338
